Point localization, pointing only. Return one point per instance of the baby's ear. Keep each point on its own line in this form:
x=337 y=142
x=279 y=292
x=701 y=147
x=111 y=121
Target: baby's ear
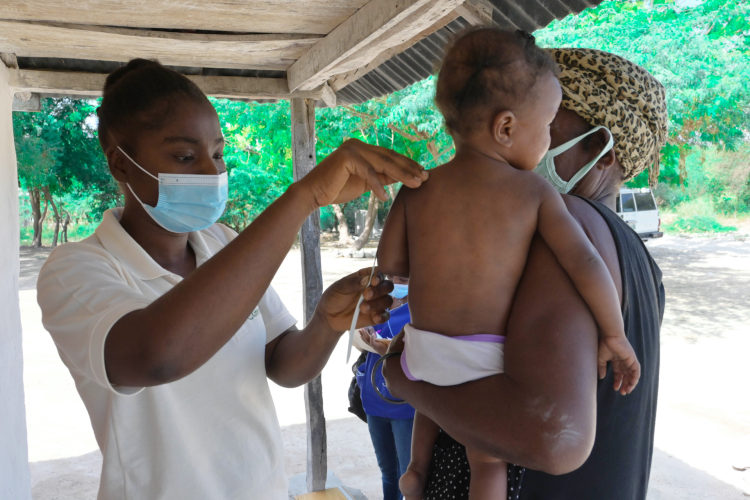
x=503 y=125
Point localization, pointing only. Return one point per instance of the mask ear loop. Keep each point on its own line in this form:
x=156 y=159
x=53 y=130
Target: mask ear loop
x=146 y=171
x=136 y=196
x=587 y=168
x=134 y=163
x=566 y=146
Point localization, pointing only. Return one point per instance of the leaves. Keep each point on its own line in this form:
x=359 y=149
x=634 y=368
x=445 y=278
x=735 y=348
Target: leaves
x=700 y=54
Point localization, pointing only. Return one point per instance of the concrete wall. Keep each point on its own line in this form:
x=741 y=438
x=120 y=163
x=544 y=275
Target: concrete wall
x=15 y=481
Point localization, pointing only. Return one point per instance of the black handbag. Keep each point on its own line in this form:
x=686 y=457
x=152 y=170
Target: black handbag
x=355 y=397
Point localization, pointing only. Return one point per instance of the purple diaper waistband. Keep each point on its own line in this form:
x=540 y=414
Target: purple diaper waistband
x=405 y=367
x=482 y=337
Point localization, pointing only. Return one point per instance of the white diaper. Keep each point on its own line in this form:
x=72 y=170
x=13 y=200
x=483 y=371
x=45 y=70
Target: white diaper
x=442 y=360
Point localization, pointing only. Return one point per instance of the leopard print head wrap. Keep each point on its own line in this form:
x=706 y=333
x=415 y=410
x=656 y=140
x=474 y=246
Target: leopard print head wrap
x=605 y=89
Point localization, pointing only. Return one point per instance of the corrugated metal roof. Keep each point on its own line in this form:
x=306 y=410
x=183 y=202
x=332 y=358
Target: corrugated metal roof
x=421 y=60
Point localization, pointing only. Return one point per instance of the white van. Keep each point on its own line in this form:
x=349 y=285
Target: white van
x=638 y=208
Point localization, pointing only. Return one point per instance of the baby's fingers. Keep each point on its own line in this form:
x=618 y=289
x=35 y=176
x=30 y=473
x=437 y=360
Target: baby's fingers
x=634 y=375
x=628 y=373
x=602 y=368
x=617 y=384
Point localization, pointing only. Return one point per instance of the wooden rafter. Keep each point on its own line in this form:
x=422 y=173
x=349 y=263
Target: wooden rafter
x=341 y=80
x=268 y=52
x=375 y=28
x=257 y=16
x=91 y=84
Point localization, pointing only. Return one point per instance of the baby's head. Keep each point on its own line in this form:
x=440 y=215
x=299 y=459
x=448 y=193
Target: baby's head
x=499 y=93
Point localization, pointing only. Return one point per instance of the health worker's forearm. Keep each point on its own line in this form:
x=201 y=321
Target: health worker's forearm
x=184 y=328
x=301 y=355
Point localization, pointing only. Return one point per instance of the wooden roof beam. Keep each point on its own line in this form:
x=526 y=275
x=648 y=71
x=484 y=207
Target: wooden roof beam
x=267 y=52
x=343 y=79
x=90 y=85
x=376 y=27
x=258 y=16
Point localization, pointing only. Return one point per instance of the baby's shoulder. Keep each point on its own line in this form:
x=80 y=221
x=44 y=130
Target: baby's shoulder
x=529 y=185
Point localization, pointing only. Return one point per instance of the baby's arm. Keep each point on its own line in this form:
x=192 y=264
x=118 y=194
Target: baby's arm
x=581 y=261
x=393 y=249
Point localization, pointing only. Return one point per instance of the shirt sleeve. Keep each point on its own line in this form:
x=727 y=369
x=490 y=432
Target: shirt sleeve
x=82 y=294
x=276 y=318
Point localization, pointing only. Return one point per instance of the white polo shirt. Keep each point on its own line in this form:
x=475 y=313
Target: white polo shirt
x=211 y=435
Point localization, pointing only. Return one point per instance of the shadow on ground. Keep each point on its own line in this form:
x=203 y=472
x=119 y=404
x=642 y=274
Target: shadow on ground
x=673 y=479
x=31 y=260
x=706 y=289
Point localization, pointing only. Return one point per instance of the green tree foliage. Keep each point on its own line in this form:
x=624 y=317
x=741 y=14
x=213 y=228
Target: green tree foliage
x=60 y=162
x=700 y=54
x=258 y=155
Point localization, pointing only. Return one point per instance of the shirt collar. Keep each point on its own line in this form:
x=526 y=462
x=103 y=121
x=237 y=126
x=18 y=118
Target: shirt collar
x=125 y=249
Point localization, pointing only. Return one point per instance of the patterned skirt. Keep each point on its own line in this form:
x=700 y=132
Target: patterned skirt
x=450 y=473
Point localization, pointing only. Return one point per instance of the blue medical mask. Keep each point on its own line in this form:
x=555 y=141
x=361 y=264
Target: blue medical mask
x=546 y=167
x=400 y=291
x=186 y=202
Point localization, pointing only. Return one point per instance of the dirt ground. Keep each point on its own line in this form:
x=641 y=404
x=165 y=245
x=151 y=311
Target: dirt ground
x=703 y=404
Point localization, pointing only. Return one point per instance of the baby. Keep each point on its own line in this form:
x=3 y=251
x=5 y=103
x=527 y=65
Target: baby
x=470 y=228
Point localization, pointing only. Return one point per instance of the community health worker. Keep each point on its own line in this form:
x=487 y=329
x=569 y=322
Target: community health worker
x=167 y=320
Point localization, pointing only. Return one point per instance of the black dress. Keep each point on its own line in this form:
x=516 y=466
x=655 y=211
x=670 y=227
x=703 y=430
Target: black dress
x=620 y=462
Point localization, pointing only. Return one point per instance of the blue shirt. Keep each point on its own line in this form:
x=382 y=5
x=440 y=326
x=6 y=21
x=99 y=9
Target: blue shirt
x=373 y=404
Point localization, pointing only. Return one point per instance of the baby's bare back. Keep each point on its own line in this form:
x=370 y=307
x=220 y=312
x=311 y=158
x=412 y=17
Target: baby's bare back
x=468 y=229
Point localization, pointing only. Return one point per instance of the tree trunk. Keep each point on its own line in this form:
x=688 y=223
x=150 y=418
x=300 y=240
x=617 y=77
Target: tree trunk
x=48 y=196
x=35 y=197
x=344 y=237
x=372 y=213
x=683 y=169
x=65 y=223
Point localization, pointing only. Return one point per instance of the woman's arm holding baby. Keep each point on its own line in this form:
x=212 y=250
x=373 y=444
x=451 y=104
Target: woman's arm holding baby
x=541 y=413
x=567 y=240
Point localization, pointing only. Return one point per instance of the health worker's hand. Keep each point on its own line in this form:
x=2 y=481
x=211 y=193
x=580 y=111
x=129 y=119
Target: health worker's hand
x=336 y=306
x=356 y=168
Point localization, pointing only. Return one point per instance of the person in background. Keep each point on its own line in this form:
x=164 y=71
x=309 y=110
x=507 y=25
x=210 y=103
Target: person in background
x=390 y=424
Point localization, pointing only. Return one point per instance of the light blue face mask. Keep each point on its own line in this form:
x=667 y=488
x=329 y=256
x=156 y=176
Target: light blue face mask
x=186 y=202
x=546 y=167
x=400 y=291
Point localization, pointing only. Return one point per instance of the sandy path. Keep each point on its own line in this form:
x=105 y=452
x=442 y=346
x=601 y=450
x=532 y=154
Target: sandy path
x=703 y=405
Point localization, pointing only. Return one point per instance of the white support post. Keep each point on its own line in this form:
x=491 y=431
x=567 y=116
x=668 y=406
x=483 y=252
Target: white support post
x=303 y=157
x=15 y=479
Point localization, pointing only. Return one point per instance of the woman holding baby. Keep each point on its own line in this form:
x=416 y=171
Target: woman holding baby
x=574 y=438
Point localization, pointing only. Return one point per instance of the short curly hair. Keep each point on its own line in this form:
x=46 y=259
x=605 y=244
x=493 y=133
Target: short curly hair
x=488 y=69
